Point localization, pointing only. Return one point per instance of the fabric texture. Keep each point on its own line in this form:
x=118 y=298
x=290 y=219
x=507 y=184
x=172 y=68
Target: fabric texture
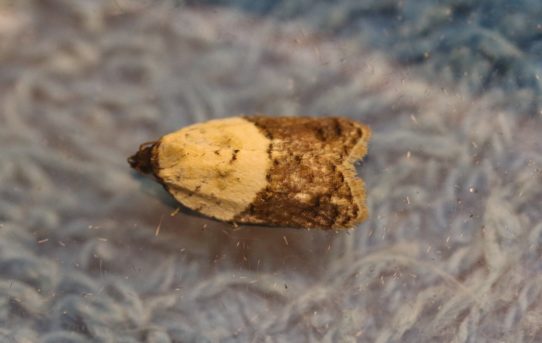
x=91 y=252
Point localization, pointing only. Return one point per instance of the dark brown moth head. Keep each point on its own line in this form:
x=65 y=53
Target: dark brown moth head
x=142 y=160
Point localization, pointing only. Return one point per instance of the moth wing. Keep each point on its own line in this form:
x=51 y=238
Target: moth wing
x=216 y=167
x=312 y=181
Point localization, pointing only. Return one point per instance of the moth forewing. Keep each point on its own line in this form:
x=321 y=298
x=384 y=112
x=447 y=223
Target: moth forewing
x=278 y=171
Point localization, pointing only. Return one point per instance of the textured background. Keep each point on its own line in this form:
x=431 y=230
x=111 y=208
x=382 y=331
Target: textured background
x=451 y=252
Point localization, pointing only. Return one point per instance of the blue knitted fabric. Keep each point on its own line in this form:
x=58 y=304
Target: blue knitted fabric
x=91 y=252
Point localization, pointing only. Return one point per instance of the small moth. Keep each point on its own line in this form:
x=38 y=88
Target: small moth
x=277 y=171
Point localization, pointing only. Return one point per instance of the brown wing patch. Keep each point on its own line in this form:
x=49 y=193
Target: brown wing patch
x=311 y=180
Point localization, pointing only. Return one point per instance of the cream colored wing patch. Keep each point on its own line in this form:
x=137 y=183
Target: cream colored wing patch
x=216 y=168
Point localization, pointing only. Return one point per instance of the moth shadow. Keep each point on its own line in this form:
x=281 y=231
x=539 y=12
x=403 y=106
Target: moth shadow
x=254 y=248
x=359 y=165
x=258 y=248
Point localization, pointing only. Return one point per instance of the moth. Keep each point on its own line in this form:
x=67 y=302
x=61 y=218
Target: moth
x=276 y=171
